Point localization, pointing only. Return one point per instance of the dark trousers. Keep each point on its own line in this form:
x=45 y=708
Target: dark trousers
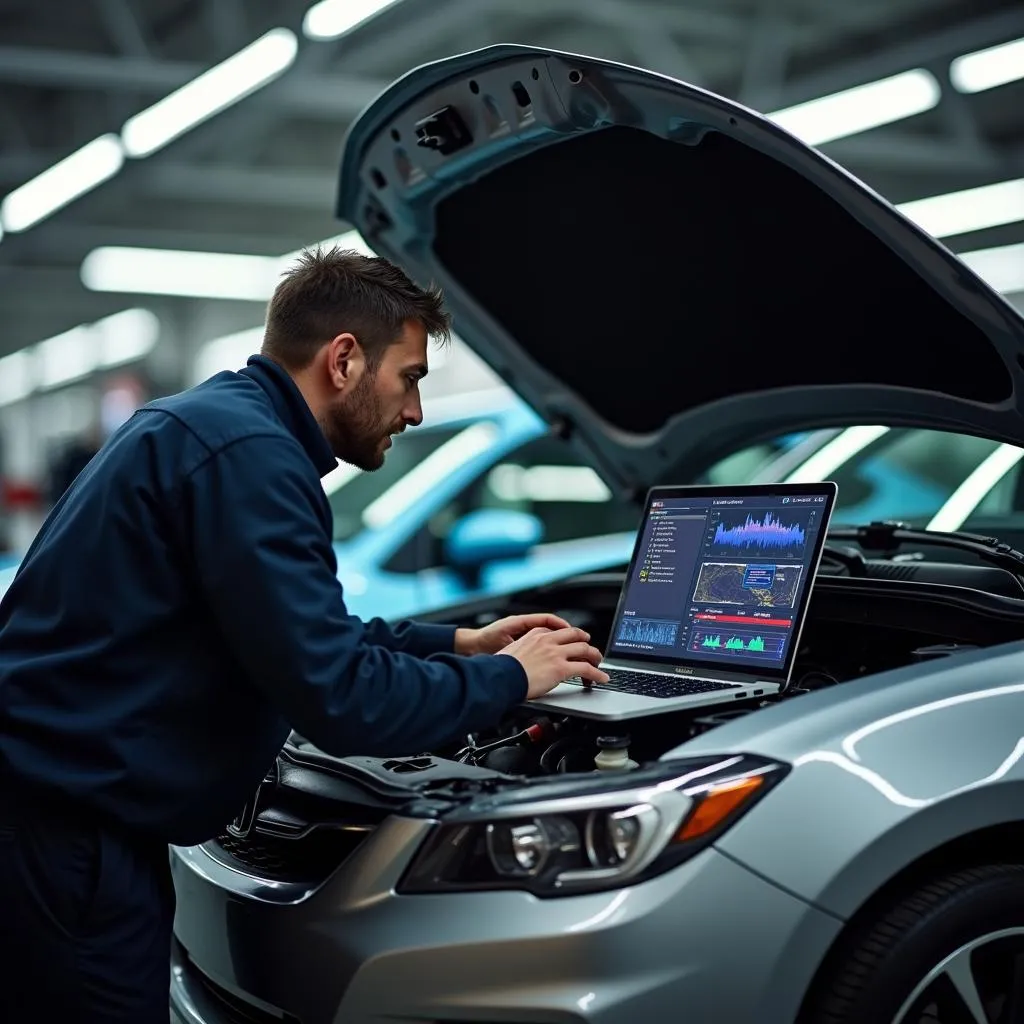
x=86 y=912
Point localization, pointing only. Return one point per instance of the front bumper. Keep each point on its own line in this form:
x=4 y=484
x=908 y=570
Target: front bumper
x=707 y=942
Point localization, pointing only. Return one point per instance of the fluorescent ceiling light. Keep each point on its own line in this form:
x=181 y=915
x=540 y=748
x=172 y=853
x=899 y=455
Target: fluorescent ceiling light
x=93 y=164
x=332 y=18
x=209 y=275
x=973 y=209
x=227 y=353
x=17 y=376
x=1002 y=267
x=985 y=69
x=113 y=341
x=66 y=357
x=125 y=337
x=211 y=92
x=204 y=275
x=865 y=106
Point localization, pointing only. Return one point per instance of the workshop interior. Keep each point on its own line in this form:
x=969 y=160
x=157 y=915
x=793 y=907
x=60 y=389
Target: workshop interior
x=733 y=392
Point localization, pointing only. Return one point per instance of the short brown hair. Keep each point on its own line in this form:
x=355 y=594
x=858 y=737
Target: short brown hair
x=340 y=291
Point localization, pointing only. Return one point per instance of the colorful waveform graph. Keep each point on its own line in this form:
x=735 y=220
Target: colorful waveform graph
x=735 y=643
x=769 y=533
x=757 y=644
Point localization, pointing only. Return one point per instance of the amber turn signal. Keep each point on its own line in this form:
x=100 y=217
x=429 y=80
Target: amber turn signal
x=717 y=804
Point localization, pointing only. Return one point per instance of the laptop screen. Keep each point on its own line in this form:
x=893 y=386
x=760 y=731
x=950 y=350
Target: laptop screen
x=720 y=577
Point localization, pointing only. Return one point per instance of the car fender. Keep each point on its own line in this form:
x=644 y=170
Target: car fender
x=884 y=770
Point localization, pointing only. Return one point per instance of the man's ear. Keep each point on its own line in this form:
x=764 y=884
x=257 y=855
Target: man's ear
x=344 y=361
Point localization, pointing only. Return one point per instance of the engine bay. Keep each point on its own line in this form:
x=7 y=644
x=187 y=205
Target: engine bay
x=867 y=615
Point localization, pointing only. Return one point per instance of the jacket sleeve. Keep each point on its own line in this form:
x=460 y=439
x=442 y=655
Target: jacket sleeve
x=420 y=639
x=263 y=562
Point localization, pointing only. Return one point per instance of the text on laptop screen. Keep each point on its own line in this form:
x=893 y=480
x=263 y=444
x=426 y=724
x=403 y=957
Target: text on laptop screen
x=720 y=579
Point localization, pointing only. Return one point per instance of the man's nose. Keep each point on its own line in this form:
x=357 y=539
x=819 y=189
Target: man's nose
x=413 y=413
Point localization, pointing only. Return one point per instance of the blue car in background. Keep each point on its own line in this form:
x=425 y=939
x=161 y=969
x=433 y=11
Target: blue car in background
x=483 y=500
x=479 y=500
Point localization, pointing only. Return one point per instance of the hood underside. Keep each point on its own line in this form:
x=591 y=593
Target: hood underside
x=664 y=274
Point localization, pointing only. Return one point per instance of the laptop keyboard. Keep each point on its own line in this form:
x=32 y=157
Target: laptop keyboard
x=646 y=684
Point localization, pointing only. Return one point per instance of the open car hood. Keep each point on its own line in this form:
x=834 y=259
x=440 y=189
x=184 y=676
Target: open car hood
x=664 y=274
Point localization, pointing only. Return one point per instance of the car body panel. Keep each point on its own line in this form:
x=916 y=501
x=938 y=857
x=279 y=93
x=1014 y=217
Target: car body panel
x=356 y=952
x=885 y=770
x=424 y=208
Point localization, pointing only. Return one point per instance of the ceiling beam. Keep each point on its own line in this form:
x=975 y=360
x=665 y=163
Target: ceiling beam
x=226 y=22
x=892 y=151
x=313 y=190
x=321 y=95
x=766 y=56
x=699 y=24
x=123 y=27
x=924 y=49
x=649 y=40
x=74 y=241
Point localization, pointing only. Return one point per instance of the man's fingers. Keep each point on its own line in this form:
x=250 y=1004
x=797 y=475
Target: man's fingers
x=543 y=619
x=568 y=635
x=581 y=652
x=587 y=672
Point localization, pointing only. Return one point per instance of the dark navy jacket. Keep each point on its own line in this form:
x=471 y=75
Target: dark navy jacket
x=179 y=610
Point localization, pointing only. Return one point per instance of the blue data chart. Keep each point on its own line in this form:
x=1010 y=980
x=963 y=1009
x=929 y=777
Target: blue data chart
x=656 y=632
x=784 y=537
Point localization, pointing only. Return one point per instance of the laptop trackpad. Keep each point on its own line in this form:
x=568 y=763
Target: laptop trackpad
x=591 y=702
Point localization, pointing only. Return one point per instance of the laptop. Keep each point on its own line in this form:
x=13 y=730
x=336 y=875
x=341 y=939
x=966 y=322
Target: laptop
x=713 y=603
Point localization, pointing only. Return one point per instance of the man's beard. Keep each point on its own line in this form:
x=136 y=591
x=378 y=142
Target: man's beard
x=355 y=429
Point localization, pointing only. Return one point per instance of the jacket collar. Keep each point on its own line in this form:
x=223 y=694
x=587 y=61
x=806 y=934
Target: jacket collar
x=293 y=411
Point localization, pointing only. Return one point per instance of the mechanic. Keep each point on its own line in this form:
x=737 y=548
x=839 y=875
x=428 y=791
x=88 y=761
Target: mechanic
x=179 y=613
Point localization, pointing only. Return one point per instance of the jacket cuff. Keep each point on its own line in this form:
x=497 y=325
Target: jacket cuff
x=514 y=674
x=431 y=639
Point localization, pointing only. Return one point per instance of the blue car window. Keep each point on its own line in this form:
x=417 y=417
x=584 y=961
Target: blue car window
x=543 y=477
x=906 y=474
x=352 y=492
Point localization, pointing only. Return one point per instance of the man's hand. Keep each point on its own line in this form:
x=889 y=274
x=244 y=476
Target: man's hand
x=498 y=635
x=551 y=655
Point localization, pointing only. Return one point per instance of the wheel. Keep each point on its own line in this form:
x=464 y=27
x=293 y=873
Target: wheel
x=951 y=952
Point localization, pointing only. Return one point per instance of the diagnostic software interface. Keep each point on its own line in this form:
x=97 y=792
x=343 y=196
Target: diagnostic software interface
x=720 y=579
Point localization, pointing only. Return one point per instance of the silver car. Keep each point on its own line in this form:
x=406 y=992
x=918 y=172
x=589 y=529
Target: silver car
x=667 y=277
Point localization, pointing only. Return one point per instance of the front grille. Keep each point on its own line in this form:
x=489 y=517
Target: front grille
x=234 y=1010
x=310 y=859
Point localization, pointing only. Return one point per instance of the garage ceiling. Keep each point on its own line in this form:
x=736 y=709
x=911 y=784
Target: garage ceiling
x=259 y=177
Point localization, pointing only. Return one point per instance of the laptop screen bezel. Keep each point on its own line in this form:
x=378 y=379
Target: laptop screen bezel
x=718 y=667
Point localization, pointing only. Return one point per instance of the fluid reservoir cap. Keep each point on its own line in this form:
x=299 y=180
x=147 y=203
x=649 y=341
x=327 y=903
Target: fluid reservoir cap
x=613 y=742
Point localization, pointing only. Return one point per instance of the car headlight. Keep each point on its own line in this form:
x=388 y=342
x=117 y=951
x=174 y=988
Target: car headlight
x=598 y=838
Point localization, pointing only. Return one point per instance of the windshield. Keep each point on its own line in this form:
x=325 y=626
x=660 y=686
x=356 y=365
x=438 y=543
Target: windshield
x=928 y=478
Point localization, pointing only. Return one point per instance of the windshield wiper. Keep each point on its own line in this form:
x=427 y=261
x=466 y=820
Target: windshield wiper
x=888 y=537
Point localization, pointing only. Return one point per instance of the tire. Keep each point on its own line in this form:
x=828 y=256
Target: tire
x=973 y=916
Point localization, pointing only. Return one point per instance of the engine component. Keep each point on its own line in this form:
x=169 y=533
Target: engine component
x=940 y=651
x=613 y=754
x=512 y=760
x=557 y=757
x=537 y=731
